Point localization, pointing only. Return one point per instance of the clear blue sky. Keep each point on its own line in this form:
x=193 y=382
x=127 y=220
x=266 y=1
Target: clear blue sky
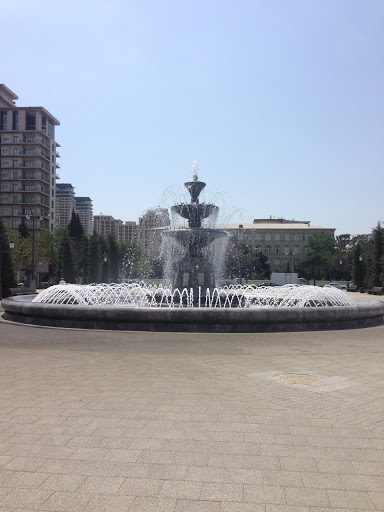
x=281 y=101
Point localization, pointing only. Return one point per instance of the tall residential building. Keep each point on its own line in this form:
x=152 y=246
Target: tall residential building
x=150 y=225
x=106 y=224
x=84 y=208
x=27 y=164
x=65 y=204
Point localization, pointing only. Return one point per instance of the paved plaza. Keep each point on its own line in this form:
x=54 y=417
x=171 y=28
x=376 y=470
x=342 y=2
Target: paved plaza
x=141 y=422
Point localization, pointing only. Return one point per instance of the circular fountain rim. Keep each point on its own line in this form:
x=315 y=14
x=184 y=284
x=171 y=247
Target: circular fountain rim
x=366 y=313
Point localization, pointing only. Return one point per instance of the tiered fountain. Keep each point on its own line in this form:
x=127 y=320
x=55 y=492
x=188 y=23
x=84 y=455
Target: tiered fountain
x=193 y=302
x=195 y=271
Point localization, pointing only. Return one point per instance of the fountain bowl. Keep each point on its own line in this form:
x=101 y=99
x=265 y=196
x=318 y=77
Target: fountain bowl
x=261 y=311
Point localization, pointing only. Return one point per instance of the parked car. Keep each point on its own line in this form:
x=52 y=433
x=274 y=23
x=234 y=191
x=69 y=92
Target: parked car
x=336 y=285
x=268 y=284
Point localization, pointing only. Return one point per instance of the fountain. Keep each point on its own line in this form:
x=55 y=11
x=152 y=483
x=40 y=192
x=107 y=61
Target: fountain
x=194 y=302
x=195 y=270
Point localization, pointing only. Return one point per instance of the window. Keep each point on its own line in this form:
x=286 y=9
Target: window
x=15 y=187
x=5 y=175
x=16 y=151
x=30 y=151
x=44 y=124
x=30 y=120
x=296 y=250
x=29 y=188
x=15 y=211
x=5 y=151
x=15 y=223
x=258 y=236
x=286 y=249
x=306 y=249
x=305 y=237
x=5 y=211
x=3 y=121
x=276 y=262
x=296 y=236
x=29 y=139
x=286 y=237
x=277 y=237
x=29 y=163
x=15 y=199
x=15 y=120
x=5 y=163
x=15 y=163
x=16 y=138
x=4 y=187
x=4 y=199
x=267 y=249
x=258 y=248
x=50 y=130
x=277 y=249
x=15 y=175
x=268 y=236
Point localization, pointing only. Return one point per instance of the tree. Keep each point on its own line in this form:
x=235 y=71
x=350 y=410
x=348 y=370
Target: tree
x=318 y=263
x=94 y=259
x=113 y=258
x=243 y=261
x=6 y=268
x=66 y=260
x=358 y=273
x=23 y=229
x=75 y=227
x=378 y=241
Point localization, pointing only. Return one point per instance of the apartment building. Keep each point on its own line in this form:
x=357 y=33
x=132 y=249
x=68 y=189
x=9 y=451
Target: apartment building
x=149 y=229
x=65 y=204
x=283 y=241
x=84 y=208
x=122 y=231
x=28 y=163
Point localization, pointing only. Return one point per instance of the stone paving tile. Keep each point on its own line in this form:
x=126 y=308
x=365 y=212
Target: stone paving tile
x=141 y=487
x=142 y=504
x=351 y=499
x=108 y=421
x=222 y=492
x=33 y=499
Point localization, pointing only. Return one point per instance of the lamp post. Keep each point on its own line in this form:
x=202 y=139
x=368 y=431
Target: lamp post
x=289 y=253
x=11 y=246
x=346 y=270
x=368 y=276
x=33 y=217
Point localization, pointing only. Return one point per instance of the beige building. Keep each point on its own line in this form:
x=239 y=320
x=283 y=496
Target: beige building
x=122 y=231
x=65 y=204
x=283 y=241
x=84 y=208
x=149 y=234
x=28 y=153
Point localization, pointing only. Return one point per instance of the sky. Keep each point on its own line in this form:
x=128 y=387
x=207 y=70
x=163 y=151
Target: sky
x=280 y=102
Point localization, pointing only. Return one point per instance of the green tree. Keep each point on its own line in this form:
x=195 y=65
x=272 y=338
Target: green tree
x=23 y=229
x=66 y=260
x=6 y=267
x=358 y=272
x=244 y=261
x=113 y=258
x=377 y=264
x=75 y=227
x=318 y=263
x=94 y=259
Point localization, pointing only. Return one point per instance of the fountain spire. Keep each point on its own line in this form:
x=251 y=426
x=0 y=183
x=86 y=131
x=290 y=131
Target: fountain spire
x=195 y=168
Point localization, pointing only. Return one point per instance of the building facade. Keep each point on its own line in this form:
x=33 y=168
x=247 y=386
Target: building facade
x=122 y=231
x=65 y=204
x=28 y=155
x=84 y=208
x=283 y=241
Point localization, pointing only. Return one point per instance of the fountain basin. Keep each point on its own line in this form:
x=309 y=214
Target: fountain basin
x=366 y=313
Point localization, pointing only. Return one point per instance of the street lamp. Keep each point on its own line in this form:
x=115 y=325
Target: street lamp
x=33 y=217
x=368 y=276
x=289 y=253
x=11 y=246
x=346 y=270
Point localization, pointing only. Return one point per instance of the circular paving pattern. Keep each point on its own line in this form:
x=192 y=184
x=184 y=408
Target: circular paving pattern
x=297 y=378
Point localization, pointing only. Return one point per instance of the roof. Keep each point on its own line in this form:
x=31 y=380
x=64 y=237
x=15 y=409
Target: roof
x=276 y=227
